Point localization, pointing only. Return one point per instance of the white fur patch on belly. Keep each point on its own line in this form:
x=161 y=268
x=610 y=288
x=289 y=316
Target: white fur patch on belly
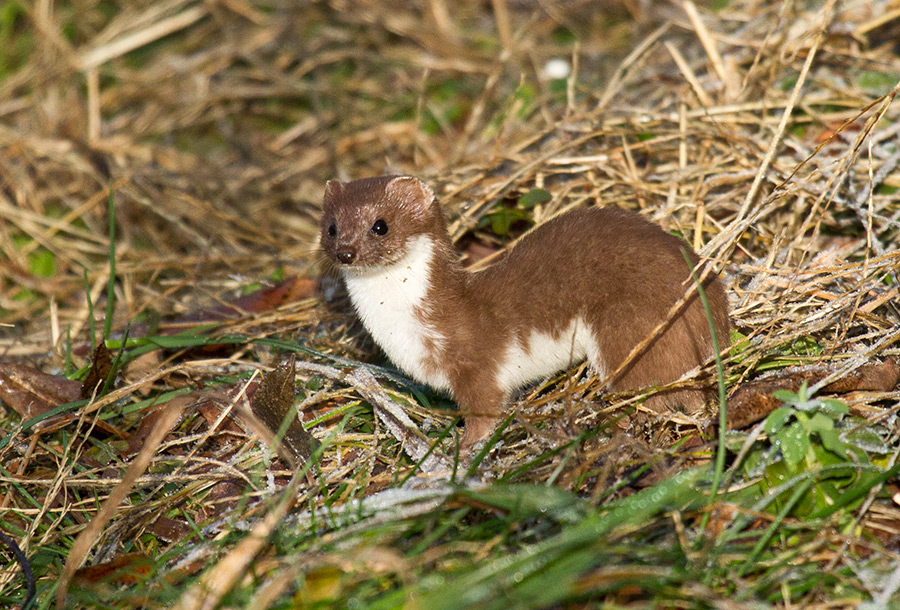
x=389 y=300
x=541 y=354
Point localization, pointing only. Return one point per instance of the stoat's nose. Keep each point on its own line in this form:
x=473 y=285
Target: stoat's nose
x=345 y=257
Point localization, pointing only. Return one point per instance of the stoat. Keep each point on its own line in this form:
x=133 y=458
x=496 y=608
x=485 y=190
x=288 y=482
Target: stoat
x=591 y=283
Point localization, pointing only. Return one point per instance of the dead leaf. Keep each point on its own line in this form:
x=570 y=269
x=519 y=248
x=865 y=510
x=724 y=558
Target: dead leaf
x=30 y=392
x=872 y=376
x=101 y=366
x=477 y=251
x=142 y=366
x=148 y=423
x=123 y=569
x=169 y=529
x=753 y=400
x=260 y=301
x=211 y=412
x=221 y=498
x=273 y=403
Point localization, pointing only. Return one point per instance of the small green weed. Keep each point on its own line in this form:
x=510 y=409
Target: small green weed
x=791 y=353
x=502 y=218
x=812 y=442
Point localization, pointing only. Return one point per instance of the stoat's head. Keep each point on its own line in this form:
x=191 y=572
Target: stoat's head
x=371 y=222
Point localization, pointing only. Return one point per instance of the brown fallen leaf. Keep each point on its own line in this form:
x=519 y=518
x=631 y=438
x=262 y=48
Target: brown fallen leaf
x=169 y=529
x=477 y=250
x=221 y=498
x=101 y=366
x=124 y=569
x=272 y=404
x=142 y=366
x=149 y=421
x=753 y=400
x=211 y=412
x=29 y=392
x=260 y=301
x=127 y=568
x=873 y=376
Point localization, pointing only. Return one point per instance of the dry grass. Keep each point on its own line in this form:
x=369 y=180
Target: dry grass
x=765 y=133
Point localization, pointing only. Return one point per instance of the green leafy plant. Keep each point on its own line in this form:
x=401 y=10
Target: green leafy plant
x=795 y=352
x=815 y=445
x=501 y=219
x=794 y=426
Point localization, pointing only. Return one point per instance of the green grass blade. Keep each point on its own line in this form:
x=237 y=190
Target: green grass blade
x=90 y=304
x=111 y=284
x=559 y=560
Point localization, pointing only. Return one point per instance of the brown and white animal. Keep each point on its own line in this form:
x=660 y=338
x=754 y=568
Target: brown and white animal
x=591 y=283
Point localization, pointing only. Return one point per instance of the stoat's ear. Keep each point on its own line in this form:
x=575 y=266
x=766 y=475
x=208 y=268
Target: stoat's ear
x=333 y=188
x=412 y=194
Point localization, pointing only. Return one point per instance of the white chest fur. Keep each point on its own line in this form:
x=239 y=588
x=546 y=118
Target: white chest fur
x=389 y=300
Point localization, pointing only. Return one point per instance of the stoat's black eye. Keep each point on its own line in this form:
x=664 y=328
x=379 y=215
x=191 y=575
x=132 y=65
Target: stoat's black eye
x=332 y=230
x=380 y=227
